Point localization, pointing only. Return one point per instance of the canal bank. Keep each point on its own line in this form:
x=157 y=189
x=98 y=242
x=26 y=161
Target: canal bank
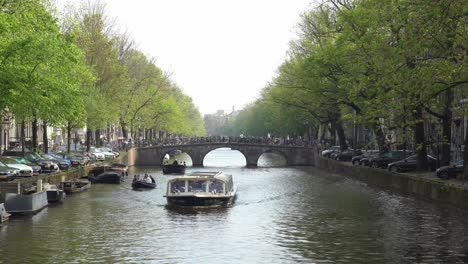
x=24 y=185
x=425 y=185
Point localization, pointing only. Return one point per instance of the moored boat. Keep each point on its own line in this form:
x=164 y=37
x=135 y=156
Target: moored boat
x=25 y=203
x=4 y=216
x=143 y=184
x=54 y=194
x=75 y=186
x=112 y=177
x=201 y=189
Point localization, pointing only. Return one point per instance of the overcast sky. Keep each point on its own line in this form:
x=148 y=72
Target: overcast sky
x=220 y=52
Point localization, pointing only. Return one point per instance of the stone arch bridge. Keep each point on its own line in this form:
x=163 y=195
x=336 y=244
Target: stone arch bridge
x=154 y=155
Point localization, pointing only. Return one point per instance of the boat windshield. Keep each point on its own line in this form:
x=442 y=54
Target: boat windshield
x=178 y=186
x=196 y=185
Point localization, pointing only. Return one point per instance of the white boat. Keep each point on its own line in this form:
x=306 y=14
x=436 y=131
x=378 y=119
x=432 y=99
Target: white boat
x=4 y=216
x=204 y=189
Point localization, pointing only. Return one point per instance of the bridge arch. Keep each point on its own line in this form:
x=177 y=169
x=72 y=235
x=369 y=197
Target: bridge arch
x=273 y=152
x=170 y=152
x=220 y=148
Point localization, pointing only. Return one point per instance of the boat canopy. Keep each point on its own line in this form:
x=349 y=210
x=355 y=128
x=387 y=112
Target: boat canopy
x=201 y=182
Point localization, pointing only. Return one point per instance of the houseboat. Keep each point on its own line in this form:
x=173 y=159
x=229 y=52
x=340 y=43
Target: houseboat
x=201 y=189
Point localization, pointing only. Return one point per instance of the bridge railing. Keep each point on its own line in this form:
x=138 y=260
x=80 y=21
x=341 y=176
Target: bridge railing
x=298 y=142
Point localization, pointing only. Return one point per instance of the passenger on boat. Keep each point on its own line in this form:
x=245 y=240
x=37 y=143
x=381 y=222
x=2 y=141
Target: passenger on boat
x=175 y=162
x=147 y=178
x=216 y=187
x=136 y=178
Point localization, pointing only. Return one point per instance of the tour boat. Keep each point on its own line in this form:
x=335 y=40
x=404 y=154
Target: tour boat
x=142 y=184
x=204 y=189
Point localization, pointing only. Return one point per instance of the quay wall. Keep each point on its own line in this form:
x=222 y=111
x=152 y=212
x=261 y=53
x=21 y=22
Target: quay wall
x=22 y=185
x=429 y=188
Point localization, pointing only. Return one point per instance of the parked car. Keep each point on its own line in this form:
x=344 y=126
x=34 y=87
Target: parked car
x=24 y=170
x=448 y=172
x=77 y=159
x=7 y=173
x=346 y=155
x=365 y=160
x=411 y=164
x=20 y=160
x=109 y=150
x=108 y=155
x=327 y=152
x=382 y=160
x=355 y=160
x=64 y=163
x=46 y=165
x=96 y=155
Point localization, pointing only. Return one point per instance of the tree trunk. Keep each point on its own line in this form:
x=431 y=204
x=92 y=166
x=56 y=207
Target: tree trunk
x=34 y=135
x=88 y=139
x=44 y=138
x=341 y=136
x=69 y=128
x=23 y=140
x=465 y=156
x=419 y=140
x=124 y=127
x=446 y=128
x=97 y=134
x=380 y=137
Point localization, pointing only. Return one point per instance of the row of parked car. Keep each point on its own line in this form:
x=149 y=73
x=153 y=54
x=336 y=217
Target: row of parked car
x=393 y=161
x=16 y=164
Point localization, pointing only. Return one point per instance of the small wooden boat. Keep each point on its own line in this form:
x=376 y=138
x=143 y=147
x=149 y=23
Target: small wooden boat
x=174 y=168
x=75 y=186
x=54 y=194
x=111 y=177
x=201 y=189
x=4 y=216
x=142 y=184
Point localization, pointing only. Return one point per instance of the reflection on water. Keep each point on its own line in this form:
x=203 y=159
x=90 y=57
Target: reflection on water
x=282 y=215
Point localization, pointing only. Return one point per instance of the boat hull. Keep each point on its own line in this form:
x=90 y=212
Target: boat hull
x=196 y=201
x=143 y=185
x=55 y=196
x=25 y=203
x=173 y=169
x=107 y=177
x=74 y=187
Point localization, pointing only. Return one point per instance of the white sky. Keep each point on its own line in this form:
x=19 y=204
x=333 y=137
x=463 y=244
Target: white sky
x=220 y=52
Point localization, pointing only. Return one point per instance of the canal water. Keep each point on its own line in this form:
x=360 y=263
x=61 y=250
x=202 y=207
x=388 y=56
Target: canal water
x=282 y=215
